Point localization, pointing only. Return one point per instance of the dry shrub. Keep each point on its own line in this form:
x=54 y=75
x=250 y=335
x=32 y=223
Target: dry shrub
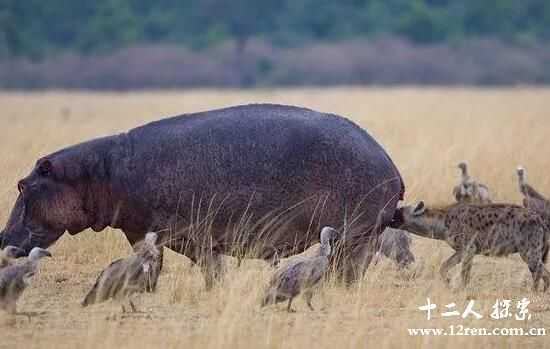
x=377 y=61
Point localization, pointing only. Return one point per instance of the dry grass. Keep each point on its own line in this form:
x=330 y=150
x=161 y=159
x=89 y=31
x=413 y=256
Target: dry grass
x=426 y=131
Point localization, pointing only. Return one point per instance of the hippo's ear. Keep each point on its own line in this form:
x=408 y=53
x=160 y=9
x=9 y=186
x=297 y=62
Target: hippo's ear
x=45 y=168
x=59 y=170
x=50 y=168
x=419 y=209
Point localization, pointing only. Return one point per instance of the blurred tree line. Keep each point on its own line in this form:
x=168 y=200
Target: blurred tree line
x=37 y=28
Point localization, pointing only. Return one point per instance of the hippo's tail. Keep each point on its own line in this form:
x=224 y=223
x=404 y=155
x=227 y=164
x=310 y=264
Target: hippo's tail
x=397 y=219
x=402 y=193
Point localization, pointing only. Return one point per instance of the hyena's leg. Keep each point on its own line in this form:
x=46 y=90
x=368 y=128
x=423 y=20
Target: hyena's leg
x=448 y=264
x=545 y=273
x=533 y=258
x=536 y=268
x=545 y=278
x=466 y=267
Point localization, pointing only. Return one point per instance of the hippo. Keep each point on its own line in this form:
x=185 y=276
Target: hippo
x=259 y=178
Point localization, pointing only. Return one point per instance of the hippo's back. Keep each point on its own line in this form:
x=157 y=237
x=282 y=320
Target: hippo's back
x=261 y=159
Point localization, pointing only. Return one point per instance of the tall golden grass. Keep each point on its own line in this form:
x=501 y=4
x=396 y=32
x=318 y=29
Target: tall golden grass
x=427 y=131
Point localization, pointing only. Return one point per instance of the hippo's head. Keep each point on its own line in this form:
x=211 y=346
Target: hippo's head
x=50 y=202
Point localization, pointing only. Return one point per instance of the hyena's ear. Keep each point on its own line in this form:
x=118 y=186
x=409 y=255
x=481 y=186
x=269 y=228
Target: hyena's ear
x=419 y=209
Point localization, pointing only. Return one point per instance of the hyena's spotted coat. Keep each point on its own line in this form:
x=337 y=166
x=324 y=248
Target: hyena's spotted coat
x=490 y=230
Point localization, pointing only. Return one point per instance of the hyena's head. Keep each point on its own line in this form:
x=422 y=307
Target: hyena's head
x=421 y=220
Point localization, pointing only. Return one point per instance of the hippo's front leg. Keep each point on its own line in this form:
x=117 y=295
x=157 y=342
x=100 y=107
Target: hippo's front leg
x=210 y=261
x=212 y=268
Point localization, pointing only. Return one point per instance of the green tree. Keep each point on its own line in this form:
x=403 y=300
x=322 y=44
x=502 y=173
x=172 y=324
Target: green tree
x=424 y=23
x=34 y=28
x=113 y=24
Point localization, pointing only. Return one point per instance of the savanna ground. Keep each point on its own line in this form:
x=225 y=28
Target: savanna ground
x=426 y=131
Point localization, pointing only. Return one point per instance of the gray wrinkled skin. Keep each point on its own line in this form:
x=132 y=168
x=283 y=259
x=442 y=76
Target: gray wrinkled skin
x=261 y=178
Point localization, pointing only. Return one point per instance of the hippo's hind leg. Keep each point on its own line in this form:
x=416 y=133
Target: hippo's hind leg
x=355 y=263
x=363 y=247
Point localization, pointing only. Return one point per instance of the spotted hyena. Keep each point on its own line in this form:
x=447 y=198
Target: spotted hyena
x=490 y=230
x=469 y=190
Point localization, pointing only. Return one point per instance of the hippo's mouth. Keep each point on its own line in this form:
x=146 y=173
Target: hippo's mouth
x=31 y=239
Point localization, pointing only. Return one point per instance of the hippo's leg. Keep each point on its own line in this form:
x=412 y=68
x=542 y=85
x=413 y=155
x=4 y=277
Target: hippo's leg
x=359 y=254
x=212 y=268
x=210 y=261
x=359 y=260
